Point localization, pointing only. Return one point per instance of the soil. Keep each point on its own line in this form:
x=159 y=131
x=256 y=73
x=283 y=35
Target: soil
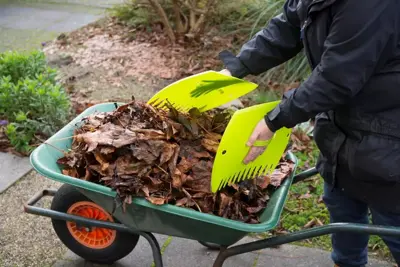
x=107 y=61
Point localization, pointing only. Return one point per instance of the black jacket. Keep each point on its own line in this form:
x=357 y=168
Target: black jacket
x=353 y=92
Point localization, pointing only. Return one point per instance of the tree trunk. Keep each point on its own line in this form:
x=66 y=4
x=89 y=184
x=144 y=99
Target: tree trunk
x=180 y=28
x=158 y=8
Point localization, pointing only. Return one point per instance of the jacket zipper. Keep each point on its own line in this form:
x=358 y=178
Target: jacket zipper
x=304 y=40
x=303 y=32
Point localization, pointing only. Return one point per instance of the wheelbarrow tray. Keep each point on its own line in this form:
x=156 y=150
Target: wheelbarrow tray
x=142 y=215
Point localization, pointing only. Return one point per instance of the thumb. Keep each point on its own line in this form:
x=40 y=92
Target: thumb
x=253 y=137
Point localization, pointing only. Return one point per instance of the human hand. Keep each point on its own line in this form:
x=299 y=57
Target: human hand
x=226 y=72
x=261 y=134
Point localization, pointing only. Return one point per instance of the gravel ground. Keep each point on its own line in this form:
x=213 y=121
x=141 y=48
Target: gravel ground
x=27 y=240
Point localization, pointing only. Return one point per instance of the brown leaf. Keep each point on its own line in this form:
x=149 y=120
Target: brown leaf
x=305 y=196
x=310 y=223
x=177 y=179
x=106 y=178
x=210 y=145
x=201 y=155
x=277 y=177
x=127 y=164
x=172 y=162
x=263 y=181
x=181 y=202
x=186 y=165
x=156 y=200
x=213 y=136
x=146 y=191
x=167 y=153
x=155 y=181
x=200 y=195
x=103 y=163
x=142 y=151
x=254 y=209
x=88 y=175
x=201 y=176
x=109 y=135
x=71 y=172
x=224 y=204
x=150 y=134
x=107 y=150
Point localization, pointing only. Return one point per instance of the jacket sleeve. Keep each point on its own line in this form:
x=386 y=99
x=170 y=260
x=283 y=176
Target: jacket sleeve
x=360 y=40
x=270 y=47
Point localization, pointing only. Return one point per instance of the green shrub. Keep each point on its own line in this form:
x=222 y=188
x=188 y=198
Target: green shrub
x=133 y=14
x=31 y=99
x=257 y=15
x=18 y=65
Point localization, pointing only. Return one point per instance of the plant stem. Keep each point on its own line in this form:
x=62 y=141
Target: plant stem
x=161 y=12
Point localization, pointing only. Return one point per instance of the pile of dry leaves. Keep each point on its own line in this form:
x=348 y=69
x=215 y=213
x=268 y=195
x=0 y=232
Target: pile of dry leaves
x=130 y=52
x=165 y=156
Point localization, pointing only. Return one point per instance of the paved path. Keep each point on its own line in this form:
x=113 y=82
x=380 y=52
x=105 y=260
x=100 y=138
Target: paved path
x=184 y=253
x=12 y=168
x=24 y=25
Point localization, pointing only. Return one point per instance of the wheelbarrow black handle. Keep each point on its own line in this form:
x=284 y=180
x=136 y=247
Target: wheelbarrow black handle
x=378 y=230
x=304 y=175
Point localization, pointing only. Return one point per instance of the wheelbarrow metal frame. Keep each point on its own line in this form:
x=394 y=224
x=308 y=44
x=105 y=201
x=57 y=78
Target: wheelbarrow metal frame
x=30 y=207
x=225 y=252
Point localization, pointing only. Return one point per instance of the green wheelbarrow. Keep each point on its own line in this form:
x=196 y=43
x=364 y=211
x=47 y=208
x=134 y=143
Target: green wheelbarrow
x=89 y=220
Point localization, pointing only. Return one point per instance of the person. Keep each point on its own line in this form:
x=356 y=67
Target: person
x=353 y=94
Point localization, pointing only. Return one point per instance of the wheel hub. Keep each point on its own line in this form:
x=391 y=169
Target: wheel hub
x=92 y=237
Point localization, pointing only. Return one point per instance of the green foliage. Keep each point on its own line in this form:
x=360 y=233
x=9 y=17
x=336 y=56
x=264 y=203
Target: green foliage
x=17 y=65
x=251 y=17
x=133 y=14
x=264 y=96
x=30 y=98
x=294 y=70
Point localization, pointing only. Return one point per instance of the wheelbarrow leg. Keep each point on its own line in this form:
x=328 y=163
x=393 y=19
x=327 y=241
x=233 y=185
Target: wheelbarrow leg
x=155 y=247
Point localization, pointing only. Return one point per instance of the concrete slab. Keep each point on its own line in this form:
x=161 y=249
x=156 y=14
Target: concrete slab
x=180 y=252
x=90 y=3
x=72 y=21
x=288 y=255
x=23 y=18
x=12 y=168
x=24 y=25
x=141 y=256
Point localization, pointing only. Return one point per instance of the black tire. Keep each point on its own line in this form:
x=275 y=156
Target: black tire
x=211 y=246
x=123 y=244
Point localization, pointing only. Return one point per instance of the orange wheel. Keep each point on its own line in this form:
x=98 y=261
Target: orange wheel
x=95 y=238
x=94 y=244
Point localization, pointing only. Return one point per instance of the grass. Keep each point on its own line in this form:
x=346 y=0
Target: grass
x=163 y=248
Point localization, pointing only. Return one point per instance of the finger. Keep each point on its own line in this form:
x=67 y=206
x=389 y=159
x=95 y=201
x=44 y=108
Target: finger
x=253 y=154
x=253 y=137
x=225 y=72
x=249 y=156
